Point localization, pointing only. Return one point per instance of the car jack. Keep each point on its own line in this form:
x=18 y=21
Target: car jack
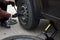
x=53 y=34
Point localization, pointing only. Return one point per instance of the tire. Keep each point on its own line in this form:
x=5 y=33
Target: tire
x=22 y=37
x=32 y=18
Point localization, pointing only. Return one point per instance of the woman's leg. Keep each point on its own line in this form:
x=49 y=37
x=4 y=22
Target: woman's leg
x=4 y=23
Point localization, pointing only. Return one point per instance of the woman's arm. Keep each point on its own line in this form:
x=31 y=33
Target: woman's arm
x=4 y=14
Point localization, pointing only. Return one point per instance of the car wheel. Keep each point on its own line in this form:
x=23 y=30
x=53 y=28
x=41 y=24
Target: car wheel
x=29 y=15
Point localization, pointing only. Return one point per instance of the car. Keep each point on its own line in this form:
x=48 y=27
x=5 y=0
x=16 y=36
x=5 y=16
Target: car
x=33 y=10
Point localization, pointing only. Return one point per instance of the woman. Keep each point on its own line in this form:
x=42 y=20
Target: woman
x=4 y=15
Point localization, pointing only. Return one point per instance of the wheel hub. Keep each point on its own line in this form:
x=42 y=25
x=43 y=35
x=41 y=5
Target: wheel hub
x=24 y=13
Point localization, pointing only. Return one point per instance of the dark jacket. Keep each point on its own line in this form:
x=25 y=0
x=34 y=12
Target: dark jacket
x=3 y=8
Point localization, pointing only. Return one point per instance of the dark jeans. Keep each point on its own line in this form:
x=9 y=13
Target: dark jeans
x=3 y=20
